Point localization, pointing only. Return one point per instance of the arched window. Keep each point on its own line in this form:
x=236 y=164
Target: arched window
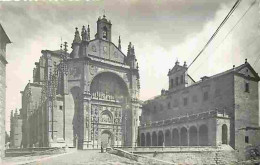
x=224 y=134
x=104 y=33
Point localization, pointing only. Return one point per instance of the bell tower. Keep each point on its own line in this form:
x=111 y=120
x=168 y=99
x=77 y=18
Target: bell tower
x=104 y=29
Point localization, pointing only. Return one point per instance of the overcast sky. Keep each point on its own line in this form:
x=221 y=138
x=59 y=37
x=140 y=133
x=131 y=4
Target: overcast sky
x=161 y=31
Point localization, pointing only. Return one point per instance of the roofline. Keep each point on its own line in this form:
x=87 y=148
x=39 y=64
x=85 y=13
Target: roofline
x=6 y=36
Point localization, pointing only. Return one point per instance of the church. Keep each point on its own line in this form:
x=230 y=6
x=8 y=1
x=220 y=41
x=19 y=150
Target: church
x=222 y=109
x=86 y=98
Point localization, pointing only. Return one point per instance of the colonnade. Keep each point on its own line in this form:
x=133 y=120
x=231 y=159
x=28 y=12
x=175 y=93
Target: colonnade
x=192 y=136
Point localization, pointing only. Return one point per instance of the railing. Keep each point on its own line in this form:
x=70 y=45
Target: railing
x=181 y=119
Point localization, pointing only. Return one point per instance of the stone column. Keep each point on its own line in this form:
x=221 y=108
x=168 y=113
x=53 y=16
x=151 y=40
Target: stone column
x=87 y=120
x=188 y=136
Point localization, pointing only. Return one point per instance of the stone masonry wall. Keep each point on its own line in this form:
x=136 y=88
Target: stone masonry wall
x=2 y=106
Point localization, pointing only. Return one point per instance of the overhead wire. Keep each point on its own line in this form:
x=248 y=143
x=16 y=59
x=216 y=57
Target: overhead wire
x=222 y=41
x=215 y=33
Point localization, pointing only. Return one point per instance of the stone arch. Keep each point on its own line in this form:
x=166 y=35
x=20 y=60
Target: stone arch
x=193 y=136
x=113 y=75
x=184 y=136
x=168 y=138
x=224 y=134
x=175 y=137
x=142 y=139
x=203 y=135
x=148 y=139
x=106 y=117
x=160 y=138
x=107 y=138
x=154 y=139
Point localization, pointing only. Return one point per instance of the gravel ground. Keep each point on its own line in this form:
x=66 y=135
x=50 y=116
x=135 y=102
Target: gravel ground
x=89 y=157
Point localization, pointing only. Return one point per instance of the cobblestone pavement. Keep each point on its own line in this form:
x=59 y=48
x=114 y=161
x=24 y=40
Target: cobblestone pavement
x=89 y=157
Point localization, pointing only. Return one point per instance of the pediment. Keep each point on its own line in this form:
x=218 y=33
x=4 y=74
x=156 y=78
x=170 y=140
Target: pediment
x=106 y=50
x=248 y=71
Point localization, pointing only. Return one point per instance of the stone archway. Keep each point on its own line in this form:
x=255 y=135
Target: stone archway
x=193 y=136
x=107 y=139
x=148 y=139
x=160 y=138
x=175 y=137
x=203 y=135
x=142 y=139
x=224 y=134
x=154 y=139
x=168 y=138
x=107 y=89
x=184 y=136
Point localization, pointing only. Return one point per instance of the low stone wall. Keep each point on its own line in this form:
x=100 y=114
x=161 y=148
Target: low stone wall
x=138 y=158
x=186 y=155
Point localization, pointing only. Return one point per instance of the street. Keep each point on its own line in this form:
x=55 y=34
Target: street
x=90 y=157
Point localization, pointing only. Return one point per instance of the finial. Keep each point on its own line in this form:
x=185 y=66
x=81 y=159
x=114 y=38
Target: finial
x=177 y=62
x=245 y=60
x=104 y=13
x=88 y=33
x=84 y=33
x=65 y=45
x=185 y=64
x=77 y=38
x=133 y=50
x=119 y=43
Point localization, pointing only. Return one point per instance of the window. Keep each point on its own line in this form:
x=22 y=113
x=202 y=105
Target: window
x=195 y=99
x=247 y=87
x=185 y=101
x=154 y=108
x=161 y=106
x=169 y=105
x=182 y=80
x=60 y=107
x=246 y=139
x=171 y=85
x=104 y=33
x=205 y=96
x=176 y=81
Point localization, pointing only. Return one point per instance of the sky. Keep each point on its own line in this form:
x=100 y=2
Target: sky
x=162 y=31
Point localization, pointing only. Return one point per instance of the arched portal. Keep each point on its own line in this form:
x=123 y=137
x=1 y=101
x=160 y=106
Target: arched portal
x=108 y=87
x=154 y=139
x=193 y=136
x=168 y=138
x=224 y=134
x=107 y=139
x=148 y=139
x=160 y=138
x=203 y=135
x=184 y=136
x=175 y=137
x=142 y=139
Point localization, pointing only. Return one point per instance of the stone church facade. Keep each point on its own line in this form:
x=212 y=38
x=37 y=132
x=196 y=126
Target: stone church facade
x=4 y=40
x=221 y=109
x=86 y=98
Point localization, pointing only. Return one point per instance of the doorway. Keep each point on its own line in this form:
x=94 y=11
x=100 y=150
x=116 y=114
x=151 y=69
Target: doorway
x=106 y=139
